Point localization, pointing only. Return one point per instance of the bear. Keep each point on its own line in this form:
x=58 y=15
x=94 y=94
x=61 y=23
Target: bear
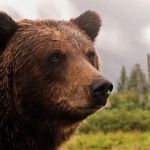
x=50 y=80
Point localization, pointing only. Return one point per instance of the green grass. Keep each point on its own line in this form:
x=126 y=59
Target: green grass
x=109 y=141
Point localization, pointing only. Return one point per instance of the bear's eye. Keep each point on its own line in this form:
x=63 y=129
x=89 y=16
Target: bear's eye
x=91 y=56
x=56 y=57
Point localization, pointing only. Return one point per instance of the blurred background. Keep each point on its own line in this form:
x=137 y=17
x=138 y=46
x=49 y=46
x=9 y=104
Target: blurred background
x=123 y=45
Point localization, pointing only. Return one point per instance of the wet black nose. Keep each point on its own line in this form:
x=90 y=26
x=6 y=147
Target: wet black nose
x=100 y=90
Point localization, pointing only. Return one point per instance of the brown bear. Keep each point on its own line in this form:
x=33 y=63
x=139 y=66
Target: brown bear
x=49 y=80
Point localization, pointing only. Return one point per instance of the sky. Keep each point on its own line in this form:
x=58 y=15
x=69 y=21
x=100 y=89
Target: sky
x=124 y=38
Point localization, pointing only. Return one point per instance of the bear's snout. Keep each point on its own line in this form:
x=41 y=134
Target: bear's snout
x=100 y=90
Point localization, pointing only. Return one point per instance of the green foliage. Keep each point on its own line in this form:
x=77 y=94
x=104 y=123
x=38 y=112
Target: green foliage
x=125 y=100
x=117 y=120
x=129 y=100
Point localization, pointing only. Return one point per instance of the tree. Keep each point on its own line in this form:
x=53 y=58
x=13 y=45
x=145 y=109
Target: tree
x=137 y=78
x=148 y=65
x=122 y=83
x=137 y=81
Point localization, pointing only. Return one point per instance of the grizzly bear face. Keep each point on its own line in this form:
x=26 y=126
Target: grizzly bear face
x=54 y=64
x=53 y=67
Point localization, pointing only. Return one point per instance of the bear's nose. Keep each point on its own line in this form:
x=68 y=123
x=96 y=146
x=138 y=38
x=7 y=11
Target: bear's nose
x=100 y=90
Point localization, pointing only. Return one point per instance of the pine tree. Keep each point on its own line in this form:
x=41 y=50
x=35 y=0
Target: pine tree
x=137 y=81
x=122 y=83
x=137 y=78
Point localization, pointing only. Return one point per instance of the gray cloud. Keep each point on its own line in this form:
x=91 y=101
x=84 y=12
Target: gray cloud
x=14 y=14
x=59 y=9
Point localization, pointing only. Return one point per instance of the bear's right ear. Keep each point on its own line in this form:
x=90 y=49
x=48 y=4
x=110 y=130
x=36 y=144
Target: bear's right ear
x=7 y=28
x=90 y=22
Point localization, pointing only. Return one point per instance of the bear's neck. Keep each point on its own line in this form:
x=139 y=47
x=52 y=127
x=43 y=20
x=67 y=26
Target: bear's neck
x=50 y=136
x=53 y=135
x=21 y=135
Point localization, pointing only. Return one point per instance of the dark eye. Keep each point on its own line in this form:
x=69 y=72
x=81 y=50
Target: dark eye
x=91 y=56
x=56 y=57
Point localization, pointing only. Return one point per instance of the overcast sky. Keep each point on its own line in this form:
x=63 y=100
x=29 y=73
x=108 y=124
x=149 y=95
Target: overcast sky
x=124 y=38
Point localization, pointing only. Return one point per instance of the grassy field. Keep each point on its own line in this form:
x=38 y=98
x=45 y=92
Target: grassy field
x=109 y=141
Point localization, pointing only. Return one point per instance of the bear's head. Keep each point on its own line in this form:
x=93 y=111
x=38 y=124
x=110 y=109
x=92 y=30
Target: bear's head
x=52 y=67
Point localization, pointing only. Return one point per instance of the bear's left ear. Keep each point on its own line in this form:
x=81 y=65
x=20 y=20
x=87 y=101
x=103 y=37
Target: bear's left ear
x=7 y=28
x=90 y=22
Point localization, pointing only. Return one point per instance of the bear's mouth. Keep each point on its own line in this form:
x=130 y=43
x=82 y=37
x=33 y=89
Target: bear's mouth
x=98 y=102
x=94 y=106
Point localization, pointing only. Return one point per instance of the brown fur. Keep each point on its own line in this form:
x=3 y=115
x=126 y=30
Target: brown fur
x=46 y=68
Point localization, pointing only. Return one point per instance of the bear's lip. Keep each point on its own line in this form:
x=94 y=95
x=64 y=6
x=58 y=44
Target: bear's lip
x=95 y=106
x=99 y=102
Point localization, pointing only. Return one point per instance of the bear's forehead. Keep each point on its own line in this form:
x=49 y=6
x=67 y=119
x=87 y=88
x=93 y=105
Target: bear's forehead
x=56 y=31
x=75 y=36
